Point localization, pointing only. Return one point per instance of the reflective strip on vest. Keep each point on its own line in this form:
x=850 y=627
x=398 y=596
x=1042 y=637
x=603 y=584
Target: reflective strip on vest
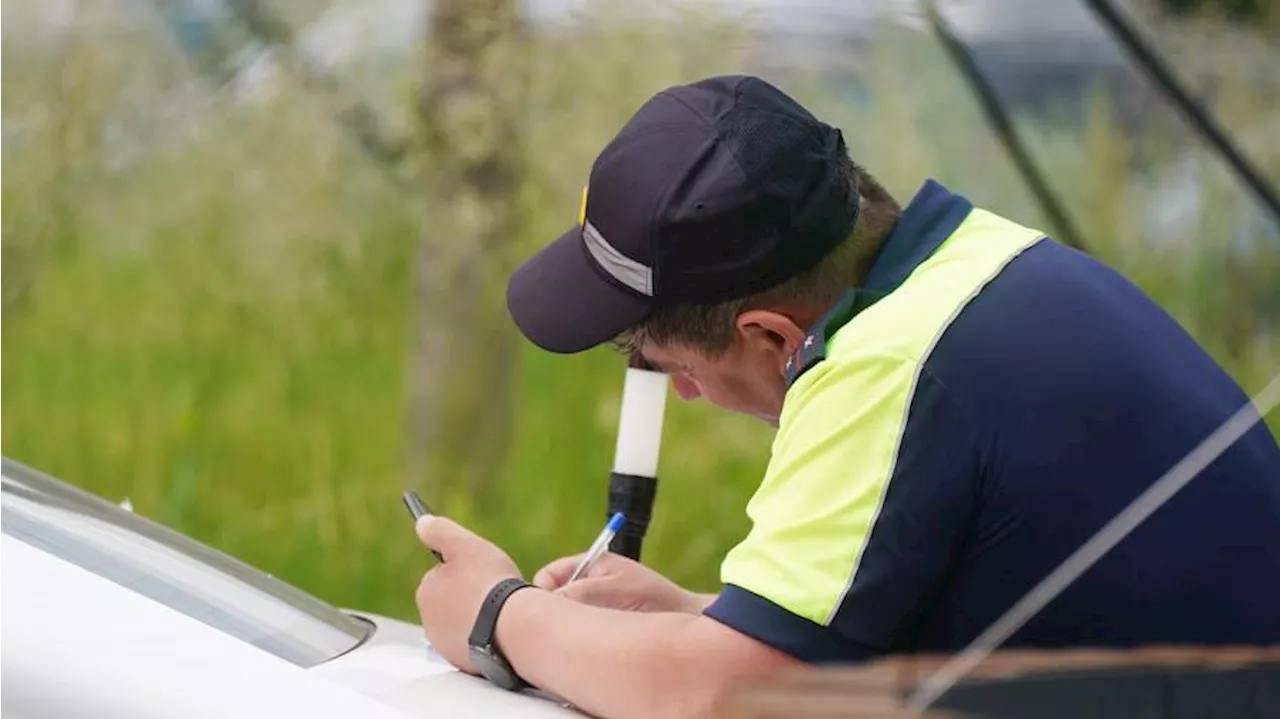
x=842 y=423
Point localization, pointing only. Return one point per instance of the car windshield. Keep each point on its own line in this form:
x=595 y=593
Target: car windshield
x=174 y=570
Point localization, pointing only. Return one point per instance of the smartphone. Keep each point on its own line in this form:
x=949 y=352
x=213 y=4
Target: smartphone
x=418 y=508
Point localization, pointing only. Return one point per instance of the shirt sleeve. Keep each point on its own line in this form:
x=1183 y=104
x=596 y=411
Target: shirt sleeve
x=873 y=478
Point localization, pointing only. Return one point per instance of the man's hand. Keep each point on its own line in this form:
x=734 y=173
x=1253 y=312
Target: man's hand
x=616 y=582
x=450 y=593
x=655 y=664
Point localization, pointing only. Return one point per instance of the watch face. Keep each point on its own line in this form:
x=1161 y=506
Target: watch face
x=493 y=668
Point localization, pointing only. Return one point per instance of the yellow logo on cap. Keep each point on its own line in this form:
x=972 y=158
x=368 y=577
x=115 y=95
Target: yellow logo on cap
x=582 y=210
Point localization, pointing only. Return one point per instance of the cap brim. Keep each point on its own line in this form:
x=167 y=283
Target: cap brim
x=564 y=305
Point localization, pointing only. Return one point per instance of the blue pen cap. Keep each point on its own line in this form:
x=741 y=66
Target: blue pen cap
x=615 y=522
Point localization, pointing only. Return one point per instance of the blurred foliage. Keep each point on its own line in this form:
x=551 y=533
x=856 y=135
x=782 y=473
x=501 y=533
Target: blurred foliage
x=208 y=289
x=461 y=392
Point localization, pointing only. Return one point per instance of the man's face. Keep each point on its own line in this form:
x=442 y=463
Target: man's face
x=748 y=378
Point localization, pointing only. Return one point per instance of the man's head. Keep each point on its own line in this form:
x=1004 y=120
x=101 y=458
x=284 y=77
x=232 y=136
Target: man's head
x=719 y=223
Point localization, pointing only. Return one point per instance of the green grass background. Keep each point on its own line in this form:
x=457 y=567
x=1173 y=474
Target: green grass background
x=216 y=327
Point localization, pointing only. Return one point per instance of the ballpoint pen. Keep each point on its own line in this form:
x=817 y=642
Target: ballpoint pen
x=598 y=547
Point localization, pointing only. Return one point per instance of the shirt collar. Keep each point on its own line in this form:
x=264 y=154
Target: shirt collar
x=926 y=222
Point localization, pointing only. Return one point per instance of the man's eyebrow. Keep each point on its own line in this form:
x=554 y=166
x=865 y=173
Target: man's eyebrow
x=638 y=361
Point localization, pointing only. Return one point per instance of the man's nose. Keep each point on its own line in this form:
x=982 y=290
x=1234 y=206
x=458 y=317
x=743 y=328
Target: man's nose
x=685 y=388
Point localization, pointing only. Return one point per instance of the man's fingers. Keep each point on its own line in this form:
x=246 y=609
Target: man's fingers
x=444 y=535
x=555 y=574
x=587 y=591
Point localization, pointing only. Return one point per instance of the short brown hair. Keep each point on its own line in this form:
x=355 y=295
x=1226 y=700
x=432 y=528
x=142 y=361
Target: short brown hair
x=710 y=328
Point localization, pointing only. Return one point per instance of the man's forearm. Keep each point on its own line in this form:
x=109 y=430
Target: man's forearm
x=613 y=663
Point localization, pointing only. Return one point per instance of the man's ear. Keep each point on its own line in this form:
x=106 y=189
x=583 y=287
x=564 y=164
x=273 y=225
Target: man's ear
x=771 y=332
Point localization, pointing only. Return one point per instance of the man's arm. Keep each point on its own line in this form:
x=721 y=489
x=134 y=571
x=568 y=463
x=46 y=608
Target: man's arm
x=612 y=663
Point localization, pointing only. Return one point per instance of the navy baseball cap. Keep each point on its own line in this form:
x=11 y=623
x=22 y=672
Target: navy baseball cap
x=712 y=191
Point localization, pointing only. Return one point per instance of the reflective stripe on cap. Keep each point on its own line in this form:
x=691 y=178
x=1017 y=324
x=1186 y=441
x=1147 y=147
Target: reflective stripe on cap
x=629 y=272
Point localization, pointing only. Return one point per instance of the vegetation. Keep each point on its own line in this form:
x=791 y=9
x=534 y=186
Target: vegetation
x=209 y=295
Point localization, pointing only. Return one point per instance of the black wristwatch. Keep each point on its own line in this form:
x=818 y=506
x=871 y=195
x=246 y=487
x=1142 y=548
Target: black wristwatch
x=483 y=651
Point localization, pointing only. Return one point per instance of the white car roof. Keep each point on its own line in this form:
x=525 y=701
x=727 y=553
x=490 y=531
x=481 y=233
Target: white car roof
x=77 y=645
x=109 y=615
x=397 y=666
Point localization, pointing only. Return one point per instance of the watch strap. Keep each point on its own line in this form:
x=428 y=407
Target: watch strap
x=487 y=619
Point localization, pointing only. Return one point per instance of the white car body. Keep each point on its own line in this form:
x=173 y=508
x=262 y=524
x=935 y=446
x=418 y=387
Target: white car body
x=107 y=614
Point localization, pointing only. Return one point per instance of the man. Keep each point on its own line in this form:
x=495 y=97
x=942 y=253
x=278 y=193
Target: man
x=961 y=402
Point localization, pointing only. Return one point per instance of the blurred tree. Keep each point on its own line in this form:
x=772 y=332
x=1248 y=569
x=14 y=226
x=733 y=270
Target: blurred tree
x=359 y=120
x=80 y=84
x=463 y=349
x=206 y=36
